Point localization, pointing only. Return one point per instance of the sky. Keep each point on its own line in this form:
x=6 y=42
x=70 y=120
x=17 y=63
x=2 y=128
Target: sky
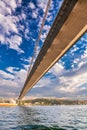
x=20 y=22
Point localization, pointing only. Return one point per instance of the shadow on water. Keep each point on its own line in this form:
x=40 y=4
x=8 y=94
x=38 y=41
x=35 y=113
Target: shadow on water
x=29 y=117
x=38 y=118
x=37 y=127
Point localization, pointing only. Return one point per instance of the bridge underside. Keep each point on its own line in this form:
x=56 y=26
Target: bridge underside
x=68 y=27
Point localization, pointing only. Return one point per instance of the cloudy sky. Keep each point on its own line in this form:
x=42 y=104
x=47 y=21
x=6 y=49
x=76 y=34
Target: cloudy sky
x=20 y=22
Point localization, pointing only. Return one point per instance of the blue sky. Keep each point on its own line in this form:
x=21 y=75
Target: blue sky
x=20 y=22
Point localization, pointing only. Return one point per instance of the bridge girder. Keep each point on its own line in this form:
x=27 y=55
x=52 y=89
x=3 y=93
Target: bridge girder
x=69 y=25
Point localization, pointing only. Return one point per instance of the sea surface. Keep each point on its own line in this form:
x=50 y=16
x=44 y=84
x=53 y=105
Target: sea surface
x=73 y=117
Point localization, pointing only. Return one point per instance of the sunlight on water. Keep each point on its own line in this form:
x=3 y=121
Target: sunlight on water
x=44 y=118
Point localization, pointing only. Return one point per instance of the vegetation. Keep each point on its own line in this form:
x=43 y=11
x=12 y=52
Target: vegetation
x=45 y=101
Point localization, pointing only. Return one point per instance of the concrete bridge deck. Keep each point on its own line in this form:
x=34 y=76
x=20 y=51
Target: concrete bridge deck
x=69 y=25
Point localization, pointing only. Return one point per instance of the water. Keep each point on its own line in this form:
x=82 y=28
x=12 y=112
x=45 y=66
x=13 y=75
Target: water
x=44 y=118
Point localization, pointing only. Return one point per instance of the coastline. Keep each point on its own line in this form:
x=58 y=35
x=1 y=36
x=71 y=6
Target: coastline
x=7 y=104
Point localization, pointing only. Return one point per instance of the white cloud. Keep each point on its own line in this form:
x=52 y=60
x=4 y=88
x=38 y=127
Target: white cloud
x=19 y=1
x=74 y=49
x=23 y=16
x=14 y=43
x=6 y=75
x=34 y=14
x=20 y=76
x=46 y=30
x=11 y=4
x=10 y=69
x=84 y=56
x=8 y=25
x=65 y=84
x=49 y=18
x=42 y=4
x=31 y=5
x=8 y=83
x=72 y=83
x=69 y=84
x=57 y=69
x=3 y=9
x=9 y=22
x=43 y=83
x=12 y=81
x=64 y=81
x=83 y=60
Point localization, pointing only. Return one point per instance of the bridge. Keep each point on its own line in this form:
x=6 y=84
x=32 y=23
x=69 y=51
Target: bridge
x=70 y=24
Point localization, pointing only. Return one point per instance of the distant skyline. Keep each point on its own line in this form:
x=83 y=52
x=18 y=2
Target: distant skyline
x=20 y=21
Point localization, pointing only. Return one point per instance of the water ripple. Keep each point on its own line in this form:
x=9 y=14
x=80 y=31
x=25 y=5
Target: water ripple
x=44 y=118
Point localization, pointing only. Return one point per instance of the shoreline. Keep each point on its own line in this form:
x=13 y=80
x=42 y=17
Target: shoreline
x=7 y=104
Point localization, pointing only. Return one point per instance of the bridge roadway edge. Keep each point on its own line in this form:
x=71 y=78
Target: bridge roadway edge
x=61 y=18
